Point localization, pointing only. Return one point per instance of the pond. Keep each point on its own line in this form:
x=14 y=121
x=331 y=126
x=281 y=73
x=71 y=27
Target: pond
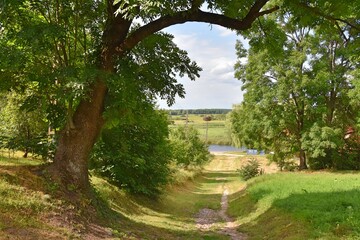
x=225 y=148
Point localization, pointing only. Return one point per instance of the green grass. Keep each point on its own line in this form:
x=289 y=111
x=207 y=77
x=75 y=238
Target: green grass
x=172 y=216
x=306 y=205
x=319 y=205
x=17 y=161
x=217 y=131
x=21 y=201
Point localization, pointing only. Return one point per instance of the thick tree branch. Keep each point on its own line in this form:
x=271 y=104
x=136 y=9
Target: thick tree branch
x=195 y=16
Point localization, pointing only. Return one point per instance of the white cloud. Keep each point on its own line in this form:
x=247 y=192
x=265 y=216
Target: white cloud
x=223 y=32
x=214 y=51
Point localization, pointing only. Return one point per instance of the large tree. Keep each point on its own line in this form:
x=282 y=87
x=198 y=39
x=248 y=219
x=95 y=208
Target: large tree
x=297 y=81
x=114 y=32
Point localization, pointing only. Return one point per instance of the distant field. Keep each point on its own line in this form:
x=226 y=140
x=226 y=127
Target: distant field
x=217 y=132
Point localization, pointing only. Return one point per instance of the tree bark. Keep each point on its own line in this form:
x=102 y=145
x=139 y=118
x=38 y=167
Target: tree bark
x=71 y=158
x=76 y=141
x=26 y=153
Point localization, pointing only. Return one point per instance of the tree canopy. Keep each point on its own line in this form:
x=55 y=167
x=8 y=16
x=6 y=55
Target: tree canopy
x=84 y=60
x=299 y=79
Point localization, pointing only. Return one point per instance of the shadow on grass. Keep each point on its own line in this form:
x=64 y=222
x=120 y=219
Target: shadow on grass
x=173 y=215
x=334 y=213
x=325 y=215
x=125 y=218
x=222 y=174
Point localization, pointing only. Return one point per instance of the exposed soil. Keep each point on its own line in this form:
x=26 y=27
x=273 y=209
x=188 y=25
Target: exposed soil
x=208 y=219
x=230 y=225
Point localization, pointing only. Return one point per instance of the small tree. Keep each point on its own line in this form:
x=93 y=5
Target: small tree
x=187 y=148
x=22 y=129
x=250 y=170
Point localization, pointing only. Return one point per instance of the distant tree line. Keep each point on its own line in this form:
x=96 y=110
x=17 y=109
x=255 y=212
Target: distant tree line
x=199 y=111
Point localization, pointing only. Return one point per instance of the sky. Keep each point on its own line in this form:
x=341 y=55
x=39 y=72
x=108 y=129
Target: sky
x=213 y=48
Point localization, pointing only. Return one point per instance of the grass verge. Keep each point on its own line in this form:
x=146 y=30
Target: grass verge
x=307 y=205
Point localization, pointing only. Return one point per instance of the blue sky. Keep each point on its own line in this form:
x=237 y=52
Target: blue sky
x=213 y=48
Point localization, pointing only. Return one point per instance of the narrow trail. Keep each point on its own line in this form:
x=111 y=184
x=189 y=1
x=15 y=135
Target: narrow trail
x=222 y=173
x=230 y=225
x=209 y=219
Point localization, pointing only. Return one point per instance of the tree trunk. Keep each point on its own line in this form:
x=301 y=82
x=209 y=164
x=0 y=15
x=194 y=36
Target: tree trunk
x=26 y=153
x=77 y=139
x=302 y=157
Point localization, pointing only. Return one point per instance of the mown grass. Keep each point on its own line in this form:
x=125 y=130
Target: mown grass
x=217 y=131
x=319 y=205
x=173 y=215
x=306 y=205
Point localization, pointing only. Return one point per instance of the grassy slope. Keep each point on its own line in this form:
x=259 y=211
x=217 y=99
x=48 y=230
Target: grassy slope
x=318 y=205
x=23 y=204
x=172 y=217
x=280 y=206
x=217 y=132
x=26 y=211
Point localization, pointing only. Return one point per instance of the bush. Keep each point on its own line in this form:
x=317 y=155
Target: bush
x=250 y=170
x=135 y=155
x=187 y=148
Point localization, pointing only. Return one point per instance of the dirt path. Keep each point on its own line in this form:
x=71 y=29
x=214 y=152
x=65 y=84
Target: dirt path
x=230 y=225
x=224 y=171
x=209 y=219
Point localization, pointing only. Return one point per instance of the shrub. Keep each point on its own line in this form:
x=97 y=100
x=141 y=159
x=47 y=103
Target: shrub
x=135 y=155
x=187 y=148
x=250 y=170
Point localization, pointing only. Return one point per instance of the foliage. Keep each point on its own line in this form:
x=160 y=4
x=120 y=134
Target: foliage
x=322 y=143
x=134 y=153
x=187 y=148
x=250 y=169
x=152 y=67
x=49 y=49
x=297 y=89
x=23 y=129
